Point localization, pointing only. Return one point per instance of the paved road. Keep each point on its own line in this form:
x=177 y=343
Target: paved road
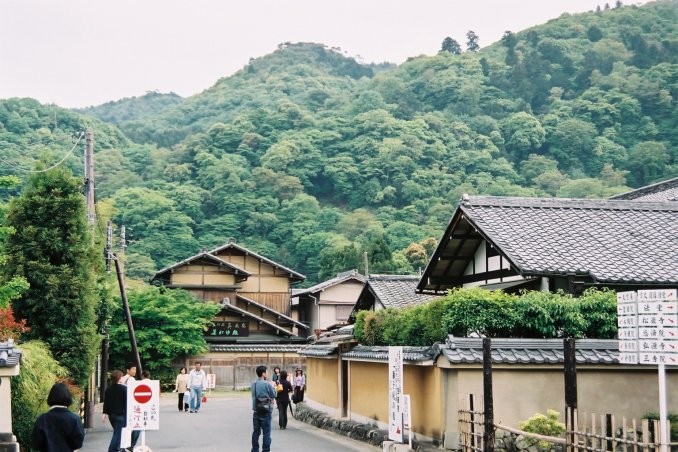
x=223 y=424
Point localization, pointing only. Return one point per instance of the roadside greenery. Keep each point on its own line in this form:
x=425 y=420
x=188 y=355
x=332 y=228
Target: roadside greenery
x=168 y=324
x=49 y=247
x=479 y=312
x=39 y=371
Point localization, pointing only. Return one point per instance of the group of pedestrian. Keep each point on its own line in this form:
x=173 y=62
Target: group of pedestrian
x=61 y=430
x=190 y=388
x=263 y=395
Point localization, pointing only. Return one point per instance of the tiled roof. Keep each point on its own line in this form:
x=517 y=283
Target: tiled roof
x=206 y=256
x=255 y=348
x=272 y=311
x=610 y=241
x=530 y=351
x=661 y=191
x=319 y=351
x=374 y=353
x=293 y=275
x=9 y=356
x=397 y=291
x=340 y=278
x=246 y=313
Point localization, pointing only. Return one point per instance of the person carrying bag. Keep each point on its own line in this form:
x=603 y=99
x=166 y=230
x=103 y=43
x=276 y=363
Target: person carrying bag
x=263 y=394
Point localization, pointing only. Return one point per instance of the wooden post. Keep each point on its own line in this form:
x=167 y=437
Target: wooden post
x=570 y=359
x=472 y=423
x=488 y=434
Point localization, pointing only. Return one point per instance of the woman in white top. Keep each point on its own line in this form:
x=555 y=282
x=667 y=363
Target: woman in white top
x=299 y=383
x=180 y=386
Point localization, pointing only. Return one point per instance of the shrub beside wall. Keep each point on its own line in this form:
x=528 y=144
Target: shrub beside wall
x=465 y=312
x=39 y=371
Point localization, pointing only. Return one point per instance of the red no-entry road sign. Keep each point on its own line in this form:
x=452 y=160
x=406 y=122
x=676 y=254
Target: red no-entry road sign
x=142 y=393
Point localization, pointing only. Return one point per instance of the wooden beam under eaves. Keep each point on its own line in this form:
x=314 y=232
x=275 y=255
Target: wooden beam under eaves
x=446 y=281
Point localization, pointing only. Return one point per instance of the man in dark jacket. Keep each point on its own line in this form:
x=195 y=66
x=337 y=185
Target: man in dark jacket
x=262 y=389
x=115 y=406
x=58 y=430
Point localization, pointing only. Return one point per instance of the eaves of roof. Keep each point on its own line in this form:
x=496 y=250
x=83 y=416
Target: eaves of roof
x=255 y=348
x=272 y=311
x=293 y=274
x=204 y=255
x=529 y=351
x=257 y=318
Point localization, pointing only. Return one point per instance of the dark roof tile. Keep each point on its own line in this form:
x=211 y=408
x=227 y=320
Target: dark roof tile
x=662 y=191
x=397 y=291
x=529 y=351
x=612 y=241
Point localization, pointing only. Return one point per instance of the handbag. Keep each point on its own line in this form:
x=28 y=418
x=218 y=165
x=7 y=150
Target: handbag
x=262 y=403
x=279 y=387
x=204 y=399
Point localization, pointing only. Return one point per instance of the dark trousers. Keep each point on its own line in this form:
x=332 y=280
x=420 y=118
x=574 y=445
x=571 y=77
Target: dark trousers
x=135 y=437
x=181 y=401
x=282 y=412
x=261 y=423
x=117 y=422
x=298 y=394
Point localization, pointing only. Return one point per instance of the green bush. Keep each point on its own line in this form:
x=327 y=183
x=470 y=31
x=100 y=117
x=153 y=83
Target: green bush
x=39 y=371
x=465 y=312
x=544 y=425
x=671 y=417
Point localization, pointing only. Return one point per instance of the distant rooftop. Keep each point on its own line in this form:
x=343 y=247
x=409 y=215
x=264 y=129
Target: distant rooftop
x=340 y=278
x=661 y=191
x=397 y=291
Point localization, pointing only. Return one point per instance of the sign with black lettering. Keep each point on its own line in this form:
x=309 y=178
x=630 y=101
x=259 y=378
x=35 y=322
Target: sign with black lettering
x=229 y=329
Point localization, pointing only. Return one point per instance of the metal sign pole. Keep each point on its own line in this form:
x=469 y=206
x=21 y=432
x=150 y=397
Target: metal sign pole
x=662 y=407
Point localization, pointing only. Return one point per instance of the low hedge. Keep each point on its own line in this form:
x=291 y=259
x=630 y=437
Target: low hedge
x=480 y=312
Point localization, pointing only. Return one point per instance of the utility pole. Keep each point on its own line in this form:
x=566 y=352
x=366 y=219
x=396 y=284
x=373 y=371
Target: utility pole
x=367 y=270
x=111 y=256
x=123 y=245
x=89 y=179
x=103 y=379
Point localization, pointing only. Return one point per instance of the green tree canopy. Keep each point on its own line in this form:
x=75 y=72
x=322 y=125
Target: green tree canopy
x=51 y=248
x=168 y=324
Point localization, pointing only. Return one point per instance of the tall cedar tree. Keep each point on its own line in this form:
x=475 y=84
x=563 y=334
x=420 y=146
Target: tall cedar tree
x=450 y=45
x=50 y=247
x=472 y=39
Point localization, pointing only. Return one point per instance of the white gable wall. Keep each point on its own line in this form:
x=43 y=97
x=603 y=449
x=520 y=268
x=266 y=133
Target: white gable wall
x=481 y=264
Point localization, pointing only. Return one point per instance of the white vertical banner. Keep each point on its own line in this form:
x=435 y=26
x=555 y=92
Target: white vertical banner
x=395 y=394
x=407 y=418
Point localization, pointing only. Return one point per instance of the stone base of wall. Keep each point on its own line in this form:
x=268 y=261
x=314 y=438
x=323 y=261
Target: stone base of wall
x=362 y=432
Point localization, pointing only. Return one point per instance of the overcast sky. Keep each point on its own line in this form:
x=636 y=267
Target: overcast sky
x=77 y=53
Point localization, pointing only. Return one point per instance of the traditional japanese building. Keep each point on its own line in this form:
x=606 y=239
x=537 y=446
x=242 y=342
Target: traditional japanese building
x=329 y=303
x=390 y=291
x=254 y=325
x=551 y=244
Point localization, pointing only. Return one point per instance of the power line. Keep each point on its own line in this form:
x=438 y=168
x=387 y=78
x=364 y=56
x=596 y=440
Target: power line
x=51 y=167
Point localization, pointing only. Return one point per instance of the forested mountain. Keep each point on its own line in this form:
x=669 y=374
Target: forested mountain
x=122 y=111
x=312 y=158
